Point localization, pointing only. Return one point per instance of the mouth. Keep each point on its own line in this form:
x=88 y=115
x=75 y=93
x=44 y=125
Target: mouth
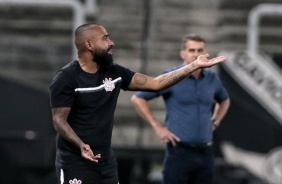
x=110 y=51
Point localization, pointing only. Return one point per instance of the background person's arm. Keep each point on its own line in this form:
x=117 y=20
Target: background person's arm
x=143 y=109
x=220 y=111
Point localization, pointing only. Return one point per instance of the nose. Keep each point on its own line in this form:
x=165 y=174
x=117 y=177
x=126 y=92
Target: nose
x=197 y=53
x=110 y=43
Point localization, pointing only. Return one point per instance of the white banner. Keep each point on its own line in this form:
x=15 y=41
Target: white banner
x=259 y=76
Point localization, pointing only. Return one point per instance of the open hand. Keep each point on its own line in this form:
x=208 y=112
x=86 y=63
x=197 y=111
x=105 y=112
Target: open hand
x=203 y=61
x=88 y=154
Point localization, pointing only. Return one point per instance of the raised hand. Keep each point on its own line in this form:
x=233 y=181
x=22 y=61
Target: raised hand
x=203 y=61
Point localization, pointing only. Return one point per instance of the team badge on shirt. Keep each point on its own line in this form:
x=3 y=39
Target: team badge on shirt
x=75 y=181
x=109 y=85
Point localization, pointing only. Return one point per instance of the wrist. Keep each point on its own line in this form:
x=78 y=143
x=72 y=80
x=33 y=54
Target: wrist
x=216 y=123
x=155 y=125
x=195 y=65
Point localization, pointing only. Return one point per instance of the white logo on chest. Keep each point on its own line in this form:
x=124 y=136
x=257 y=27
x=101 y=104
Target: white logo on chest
x=109 y=85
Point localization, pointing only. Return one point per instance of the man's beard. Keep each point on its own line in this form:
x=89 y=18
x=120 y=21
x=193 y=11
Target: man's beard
x=103 y=58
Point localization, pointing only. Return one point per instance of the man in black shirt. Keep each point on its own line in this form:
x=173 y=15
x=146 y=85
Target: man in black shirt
x=83 y=97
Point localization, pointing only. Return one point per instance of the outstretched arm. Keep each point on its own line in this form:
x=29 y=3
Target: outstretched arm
x=145 y=83
x=143 y=109
x=63 y=128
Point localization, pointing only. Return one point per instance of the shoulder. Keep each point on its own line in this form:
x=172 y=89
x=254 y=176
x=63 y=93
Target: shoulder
x=70 y=67
x=210 y=73
x=116 y=68
x=67 y=71
x=211 y=76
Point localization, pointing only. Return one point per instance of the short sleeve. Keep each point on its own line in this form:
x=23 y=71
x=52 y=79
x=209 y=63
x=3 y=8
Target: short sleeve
x=62 y=92
x=126 y=75
x=221 y=93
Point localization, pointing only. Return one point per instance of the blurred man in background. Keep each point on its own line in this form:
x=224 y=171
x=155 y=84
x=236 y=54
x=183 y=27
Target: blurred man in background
x=191 y=117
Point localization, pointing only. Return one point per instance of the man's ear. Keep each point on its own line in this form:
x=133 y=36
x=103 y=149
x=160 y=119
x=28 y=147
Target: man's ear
x=88 y=45
x=181 y=53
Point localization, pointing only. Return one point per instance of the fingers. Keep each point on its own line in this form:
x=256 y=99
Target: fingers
x=204 y=56
x=89 y=155
x=96 y=157
x=205 y=63
x=215 y=60
x=167 y=137
x=218 y=59
x=173 y=139
x=170 y=140
x=165 y=141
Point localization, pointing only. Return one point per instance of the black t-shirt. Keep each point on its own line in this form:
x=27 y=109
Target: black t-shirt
x=93 y=99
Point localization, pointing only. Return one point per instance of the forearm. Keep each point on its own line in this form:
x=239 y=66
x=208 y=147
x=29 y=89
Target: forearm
x=145 y=83
x=144 y=111
x=63 y=128
x=221 y=110
x=68 y=134
x=142 y=107
x=168 y=79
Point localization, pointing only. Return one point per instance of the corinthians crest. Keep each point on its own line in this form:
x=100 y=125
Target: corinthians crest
x=109 y=85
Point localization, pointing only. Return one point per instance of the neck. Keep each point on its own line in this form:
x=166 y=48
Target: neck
x=88 y=65
x=197 y=73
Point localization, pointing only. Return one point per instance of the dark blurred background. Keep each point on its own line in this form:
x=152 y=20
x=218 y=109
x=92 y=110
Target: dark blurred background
x=36 y=39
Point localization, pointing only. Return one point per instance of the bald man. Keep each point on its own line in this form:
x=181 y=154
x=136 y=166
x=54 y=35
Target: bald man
x=83 y=98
